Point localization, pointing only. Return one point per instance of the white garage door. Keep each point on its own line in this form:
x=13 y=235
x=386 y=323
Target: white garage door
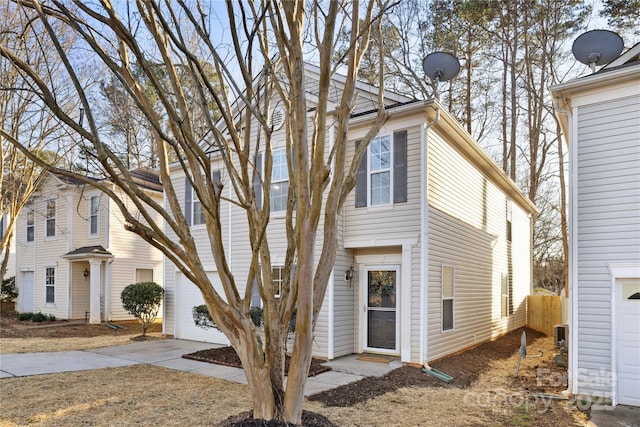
x=187 y=297
x=628 y=342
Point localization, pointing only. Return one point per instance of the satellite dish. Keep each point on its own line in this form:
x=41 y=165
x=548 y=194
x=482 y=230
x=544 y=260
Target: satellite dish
x=597 y=47
x=440 y=67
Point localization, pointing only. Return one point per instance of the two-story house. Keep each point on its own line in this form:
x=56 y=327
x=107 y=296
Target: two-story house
x=600 y=118
x=74 y=256
x=435 y=242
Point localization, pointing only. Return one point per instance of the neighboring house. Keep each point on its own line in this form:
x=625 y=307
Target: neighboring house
x=600 y=117
x=11 y=261
x=435 y=242
x=74 y=256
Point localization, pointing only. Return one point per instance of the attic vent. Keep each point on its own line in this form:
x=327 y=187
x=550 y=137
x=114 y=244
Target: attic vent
x=277 y=118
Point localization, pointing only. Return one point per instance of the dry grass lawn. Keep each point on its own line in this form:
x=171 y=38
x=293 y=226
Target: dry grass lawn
x=146 y=395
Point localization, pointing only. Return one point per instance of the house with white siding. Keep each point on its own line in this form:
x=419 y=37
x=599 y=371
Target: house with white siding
x=10 y=249
x=435 y=242
x=74 y=256
x=600 y=118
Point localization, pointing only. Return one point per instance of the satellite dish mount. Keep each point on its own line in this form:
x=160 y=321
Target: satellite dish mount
x=440 y=67
x=597 y=47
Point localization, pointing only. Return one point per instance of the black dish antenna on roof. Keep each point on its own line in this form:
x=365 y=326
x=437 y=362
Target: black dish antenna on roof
x=597 y=47
x=440 y=67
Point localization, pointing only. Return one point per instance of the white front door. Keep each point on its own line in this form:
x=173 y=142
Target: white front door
x=26 y=293
x=380 y=323
x=628 y=341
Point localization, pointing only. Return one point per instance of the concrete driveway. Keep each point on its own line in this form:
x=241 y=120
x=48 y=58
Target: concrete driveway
x=168 y=354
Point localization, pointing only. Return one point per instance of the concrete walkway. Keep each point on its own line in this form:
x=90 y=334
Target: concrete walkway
x=168 y=354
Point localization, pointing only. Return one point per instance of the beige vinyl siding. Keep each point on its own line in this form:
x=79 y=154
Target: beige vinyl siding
x=45 y=252
x=467 y=231
x=398 y=219
x=79 y=290
x=608 y=226
x=130 y=252
x=345 y=328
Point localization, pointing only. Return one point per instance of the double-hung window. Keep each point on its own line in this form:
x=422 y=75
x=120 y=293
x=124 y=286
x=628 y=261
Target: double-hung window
x=380 y=171
x=50 y=218
x=279 y=181
x=50 y=285
x=94 y=205
x=198 y=215
x=31 y=225
x=382 y=174
x=448 y=295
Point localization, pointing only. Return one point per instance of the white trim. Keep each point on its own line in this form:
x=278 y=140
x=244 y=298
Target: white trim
x=623 y=90
x=330 y=314
x=387 y=264
x=617 y=271
x=398 y=240
x=573 y=253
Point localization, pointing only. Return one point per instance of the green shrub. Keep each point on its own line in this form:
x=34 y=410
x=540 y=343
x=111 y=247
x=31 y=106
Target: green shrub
x=142 y=300
x=202 y=318
x=39 y=317
x=8 y=292
x=51 y=318
x=25 y=316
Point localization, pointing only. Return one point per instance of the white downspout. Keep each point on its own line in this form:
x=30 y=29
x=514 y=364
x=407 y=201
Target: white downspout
x=424 y=241
x=572 y=380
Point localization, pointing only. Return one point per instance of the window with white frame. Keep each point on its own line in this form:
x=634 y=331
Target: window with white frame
x=279 y=181
x=94 y=205
x=50 y=226
x=198 y=215
x=50 y=285
x=31 y=225
x=448 y=294
x=380 y=170
x=277 y=273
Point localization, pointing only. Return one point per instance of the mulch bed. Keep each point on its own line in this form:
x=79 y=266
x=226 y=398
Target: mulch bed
x=227 y=356
x=464 y=367
x=245 y=419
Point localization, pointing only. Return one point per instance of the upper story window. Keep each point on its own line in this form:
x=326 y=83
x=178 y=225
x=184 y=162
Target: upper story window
x=198 y=215
x=382 y=175
x=51 y=219
x=94 y=205
x=31 y=225
x=194 y=213
x=279 y=181
x=380 y=171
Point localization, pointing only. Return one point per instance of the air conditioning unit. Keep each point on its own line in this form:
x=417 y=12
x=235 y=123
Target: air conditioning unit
x=561 y=333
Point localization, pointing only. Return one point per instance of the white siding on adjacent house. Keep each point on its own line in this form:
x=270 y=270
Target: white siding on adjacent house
x=608 y=224
x=467 y=231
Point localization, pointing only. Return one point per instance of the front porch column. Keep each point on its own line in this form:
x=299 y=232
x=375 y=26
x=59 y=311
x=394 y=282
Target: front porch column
x=94 y=291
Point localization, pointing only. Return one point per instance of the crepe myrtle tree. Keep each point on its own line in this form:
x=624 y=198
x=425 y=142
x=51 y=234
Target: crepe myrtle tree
x=196 y=114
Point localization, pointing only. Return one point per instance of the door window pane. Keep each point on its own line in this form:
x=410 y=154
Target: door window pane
x=382 y=289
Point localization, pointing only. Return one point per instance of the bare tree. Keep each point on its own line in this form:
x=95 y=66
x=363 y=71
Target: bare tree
x=267 y=40
x=24 y=120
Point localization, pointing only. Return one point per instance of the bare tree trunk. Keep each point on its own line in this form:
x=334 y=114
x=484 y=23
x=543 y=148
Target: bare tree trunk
x=563 y=212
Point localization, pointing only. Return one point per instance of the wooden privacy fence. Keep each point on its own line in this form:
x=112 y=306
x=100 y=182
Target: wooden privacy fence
x=544 y=312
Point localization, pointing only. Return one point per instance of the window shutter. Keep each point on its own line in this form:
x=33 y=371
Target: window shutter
x=400 y=167
x=257 y=181
x=187 y=199
x=361 y=181
x=256 y=301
